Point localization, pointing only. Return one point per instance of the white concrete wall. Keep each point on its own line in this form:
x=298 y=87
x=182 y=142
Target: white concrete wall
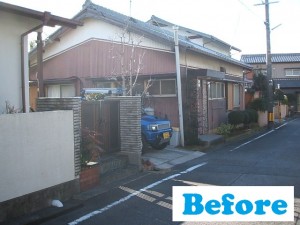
x=37 y=152
x=201 y=61
x=94 y=29
x=12 y=27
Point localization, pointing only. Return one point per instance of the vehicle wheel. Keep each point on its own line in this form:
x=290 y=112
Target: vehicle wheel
x=160 y=147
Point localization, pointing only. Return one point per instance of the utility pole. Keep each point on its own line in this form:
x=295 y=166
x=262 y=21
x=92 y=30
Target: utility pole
x=269 y=66
x=179 y=94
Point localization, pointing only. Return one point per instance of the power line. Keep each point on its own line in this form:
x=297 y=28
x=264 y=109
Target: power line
x=250 y=10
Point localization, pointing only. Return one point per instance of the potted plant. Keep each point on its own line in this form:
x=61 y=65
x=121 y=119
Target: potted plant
x=90 y=154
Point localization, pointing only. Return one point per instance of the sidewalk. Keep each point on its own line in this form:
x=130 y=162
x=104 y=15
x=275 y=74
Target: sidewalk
x=165 y=160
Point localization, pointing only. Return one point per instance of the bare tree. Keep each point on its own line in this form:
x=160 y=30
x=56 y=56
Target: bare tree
x=128 y=57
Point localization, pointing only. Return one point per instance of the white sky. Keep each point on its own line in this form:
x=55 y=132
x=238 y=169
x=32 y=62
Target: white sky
x=237 y=22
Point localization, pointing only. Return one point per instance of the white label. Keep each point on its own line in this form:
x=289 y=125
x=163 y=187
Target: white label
x=233 y=203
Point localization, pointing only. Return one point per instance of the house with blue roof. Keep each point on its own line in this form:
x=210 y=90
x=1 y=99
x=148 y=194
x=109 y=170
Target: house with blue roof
x=285 y=73
x=112 y=50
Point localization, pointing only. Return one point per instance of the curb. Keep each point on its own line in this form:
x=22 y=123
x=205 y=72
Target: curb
x=46 y=214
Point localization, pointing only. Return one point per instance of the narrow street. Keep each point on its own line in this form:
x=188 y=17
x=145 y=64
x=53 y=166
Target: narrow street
x=270 y=159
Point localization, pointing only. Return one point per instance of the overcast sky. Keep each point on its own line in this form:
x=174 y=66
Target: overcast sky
x=238 y=22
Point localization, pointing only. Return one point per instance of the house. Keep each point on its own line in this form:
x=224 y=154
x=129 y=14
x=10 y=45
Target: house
x=285 y=73
x=16 y=23
x=113 y=50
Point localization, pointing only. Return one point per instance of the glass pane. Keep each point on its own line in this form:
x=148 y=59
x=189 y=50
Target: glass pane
x=288 y=72
x=67 y=91
x=222 y=90
x=213 y=90
x=168 y=87
x=103 y=84
x=296 y=72
x=236 y=95
x=155 y=88
x=53 y=91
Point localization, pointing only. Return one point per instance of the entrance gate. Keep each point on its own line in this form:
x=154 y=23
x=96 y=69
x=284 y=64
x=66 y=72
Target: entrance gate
x=102 y=117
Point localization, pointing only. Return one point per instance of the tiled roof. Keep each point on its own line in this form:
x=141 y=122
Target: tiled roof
x=160 y=22
x=91 y=10
x=275 y=58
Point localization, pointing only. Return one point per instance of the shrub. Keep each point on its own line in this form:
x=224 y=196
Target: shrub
x=224 y=129
x=90 y=149
x=253 y=115
x=236 y=117
x=279 y=95
x=247 y=117
x=259 y=104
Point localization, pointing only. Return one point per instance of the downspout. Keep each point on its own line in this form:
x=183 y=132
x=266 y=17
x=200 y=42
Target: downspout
x=24 y=108
x=39 y=56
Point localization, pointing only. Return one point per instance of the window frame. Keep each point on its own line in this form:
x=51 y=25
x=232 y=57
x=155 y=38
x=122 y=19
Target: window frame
x=292 y=70
x=60 y=90
x=238 y=94
x=160 y=87
x=216 y=90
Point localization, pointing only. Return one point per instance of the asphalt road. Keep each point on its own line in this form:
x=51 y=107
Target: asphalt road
x=269 y=159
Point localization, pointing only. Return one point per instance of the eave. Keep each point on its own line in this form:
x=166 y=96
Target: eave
x=46 y=17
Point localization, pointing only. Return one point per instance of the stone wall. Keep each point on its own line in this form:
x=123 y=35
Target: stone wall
x=51 y=104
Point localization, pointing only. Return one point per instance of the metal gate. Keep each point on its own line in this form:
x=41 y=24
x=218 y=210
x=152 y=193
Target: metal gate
x=102 y=117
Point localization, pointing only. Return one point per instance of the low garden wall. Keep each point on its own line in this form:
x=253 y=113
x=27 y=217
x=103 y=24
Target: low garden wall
x=37 y=160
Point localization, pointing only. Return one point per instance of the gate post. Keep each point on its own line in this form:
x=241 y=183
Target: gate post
x=130 y=127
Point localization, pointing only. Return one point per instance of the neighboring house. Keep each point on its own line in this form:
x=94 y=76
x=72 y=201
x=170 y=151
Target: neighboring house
x=16 y=23
x=110 y=45
x=285 y=73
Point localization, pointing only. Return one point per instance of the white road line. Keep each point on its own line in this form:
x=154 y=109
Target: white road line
x=248 y=142
x=99 y=211
x=281 y=126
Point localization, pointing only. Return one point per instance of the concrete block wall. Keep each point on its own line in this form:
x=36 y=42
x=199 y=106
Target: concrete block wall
x=37 y=161
x=51 y=104
x=130 y=127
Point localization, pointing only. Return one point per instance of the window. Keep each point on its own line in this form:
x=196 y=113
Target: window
x=236 y=95
x=165 y=87
x=292 y=72
x=222 y=69
x=60 y=90
x=105 y=85
x=216 y=90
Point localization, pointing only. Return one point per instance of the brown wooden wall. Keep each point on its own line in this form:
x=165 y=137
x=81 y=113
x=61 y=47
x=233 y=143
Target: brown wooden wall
x=96 y=59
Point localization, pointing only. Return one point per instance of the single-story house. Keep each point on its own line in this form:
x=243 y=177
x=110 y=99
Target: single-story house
x=112 y=50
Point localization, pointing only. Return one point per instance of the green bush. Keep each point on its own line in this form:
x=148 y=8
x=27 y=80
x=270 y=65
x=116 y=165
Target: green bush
x=224 y=129
x=236 y=117
x=259 y=104
x=279 y=95
x=247 y=117
x=253 y=115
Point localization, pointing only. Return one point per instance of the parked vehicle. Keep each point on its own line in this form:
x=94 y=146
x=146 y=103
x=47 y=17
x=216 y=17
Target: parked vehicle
x=155 y=132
